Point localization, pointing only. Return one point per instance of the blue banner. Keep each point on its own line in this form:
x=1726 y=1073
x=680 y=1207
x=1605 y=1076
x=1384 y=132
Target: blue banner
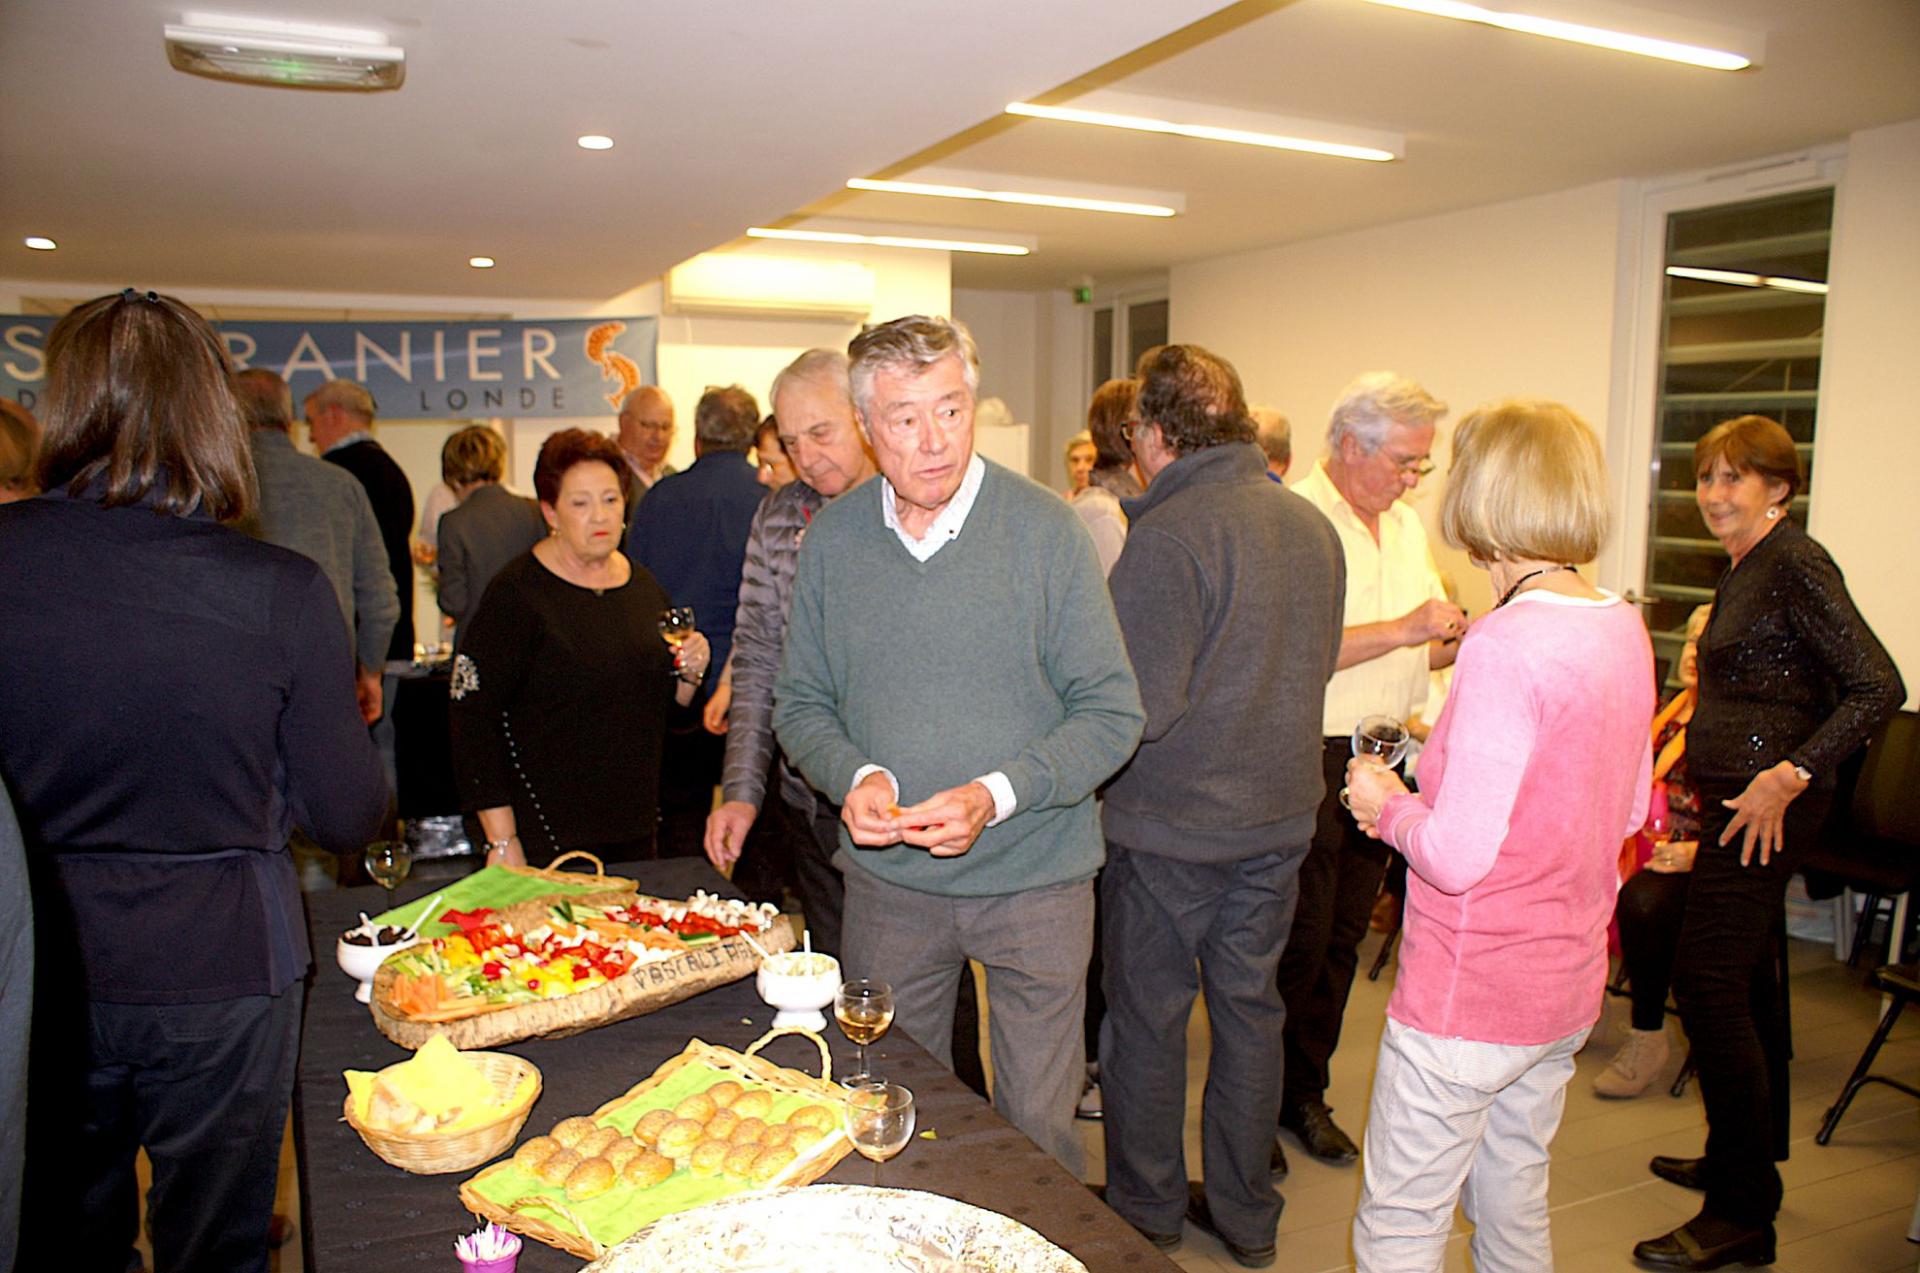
x=519 y=369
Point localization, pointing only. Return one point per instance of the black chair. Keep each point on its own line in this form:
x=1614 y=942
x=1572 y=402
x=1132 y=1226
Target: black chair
x=1872 y=841
x=1898 y=981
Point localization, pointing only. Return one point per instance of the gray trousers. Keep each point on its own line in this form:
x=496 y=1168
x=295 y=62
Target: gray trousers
x=1034 y=946
x=1170 y=928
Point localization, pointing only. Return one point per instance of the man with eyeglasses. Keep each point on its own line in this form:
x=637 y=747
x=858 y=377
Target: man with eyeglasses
x=645 y=437
x=1398 y=626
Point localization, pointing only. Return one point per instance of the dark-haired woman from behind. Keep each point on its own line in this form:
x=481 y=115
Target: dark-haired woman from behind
x=562 y=683
x=174 y=699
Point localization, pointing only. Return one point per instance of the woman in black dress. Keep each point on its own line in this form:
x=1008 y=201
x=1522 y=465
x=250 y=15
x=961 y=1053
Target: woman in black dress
x=562 y=684
x=1791 y=682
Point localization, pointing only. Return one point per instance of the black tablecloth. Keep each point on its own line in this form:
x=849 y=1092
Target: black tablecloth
x=363 y=1216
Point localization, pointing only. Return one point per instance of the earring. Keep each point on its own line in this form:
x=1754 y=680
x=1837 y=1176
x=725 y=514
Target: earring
x=1773 y=512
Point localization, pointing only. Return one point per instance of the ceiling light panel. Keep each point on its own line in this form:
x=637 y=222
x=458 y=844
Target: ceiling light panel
x=1206 y=122
x=852 y=237
x=1602 y=25
x=943 y=183
x=1742 y=278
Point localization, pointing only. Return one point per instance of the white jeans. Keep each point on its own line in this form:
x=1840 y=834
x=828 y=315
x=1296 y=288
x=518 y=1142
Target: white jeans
x=1455 y=1120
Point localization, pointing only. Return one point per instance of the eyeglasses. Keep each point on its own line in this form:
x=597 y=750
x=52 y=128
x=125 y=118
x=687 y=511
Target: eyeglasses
x=1411 y=465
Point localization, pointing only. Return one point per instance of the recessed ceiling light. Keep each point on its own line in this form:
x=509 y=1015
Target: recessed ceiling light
x=1080 y=203
x=1211 y=123
x=481 y=262
x=1741 y=278
x=1578 y=33
x=889 y=241
x=40 y=243
x=595 y=141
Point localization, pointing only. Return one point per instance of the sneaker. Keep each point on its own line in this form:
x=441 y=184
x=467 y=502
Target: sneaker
x=1635 y=1066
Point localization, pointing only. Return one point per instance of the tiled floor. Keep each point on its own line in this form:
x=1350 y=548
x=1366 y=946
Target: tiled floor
x=1848 y=1204
x=1847 y=1207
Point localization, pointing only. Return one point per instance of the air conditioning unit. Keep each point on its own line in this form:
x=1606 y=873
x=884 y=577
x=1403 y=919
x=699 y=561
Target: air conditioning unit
x=745 y=284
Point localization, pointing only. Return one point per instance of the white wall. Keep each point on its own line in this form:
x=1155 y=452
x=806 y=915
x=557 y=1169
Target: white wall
x=1504 y=300
x=1868 y=444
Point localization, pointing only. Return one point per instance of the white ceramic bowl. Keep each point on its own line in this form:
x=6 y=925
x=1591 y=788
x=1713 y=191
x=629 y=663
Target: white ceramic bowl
x=361 y=962
x=799 y=985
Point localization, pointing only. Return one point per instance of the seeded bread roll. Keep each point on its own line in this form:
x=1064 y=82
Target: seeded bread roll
x=754 y=1104
x=646 y=1170
x=739 y=1163
x=804 y=1138
x=647 y=1130
x=570 y=1131
x=699 y=1107
x=558 y=1166
x=721 y=1125
x=724 y=1093
x=708 y=1157
x=770 y=1163
x=777 y=1135
x=678 y=1138
x=813 y=1116
x=595 y=1141
x=590 y=1179
x=748 y=1131
x=621 y=1152
x=534 y=1152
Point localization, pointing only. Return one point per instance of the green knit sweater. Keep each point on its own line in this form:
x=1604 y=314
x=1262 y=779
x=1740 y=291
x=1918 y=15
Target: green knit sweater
x=1001 y=652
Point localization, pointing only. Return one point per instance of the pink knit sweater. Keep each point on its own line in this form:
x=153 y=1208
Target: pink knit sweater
x=1538 y=766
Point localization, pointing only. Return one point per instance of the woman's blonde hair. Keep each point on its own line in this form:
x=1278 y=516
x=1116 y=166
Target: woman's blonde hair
x=1528 y=482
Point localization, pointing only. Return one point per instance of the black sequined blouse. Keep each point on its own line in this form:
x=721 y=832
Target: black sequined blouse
x=1788 y=668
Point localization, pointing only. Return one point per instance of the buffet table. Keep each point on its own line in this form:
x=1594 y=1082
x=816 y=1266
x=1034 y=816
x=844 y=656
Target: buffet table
x=362 y=1216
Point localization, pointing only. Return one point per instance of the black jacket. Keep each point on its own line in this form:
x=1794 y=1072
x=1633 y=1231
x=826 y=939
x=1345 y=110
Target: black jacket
x=392 y=497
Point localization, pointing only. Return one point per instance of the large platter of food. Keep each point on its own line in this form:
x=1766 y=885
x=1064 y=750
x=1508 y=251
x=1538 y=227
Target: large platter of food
x=553 y=966
x=846 y=1228
x=708 y=1124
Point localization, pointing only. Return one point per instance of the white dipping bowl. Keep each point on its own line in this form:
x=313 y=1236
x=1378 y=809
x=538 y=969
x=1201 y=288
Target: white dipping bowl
x=799 y=985
x=361 y=962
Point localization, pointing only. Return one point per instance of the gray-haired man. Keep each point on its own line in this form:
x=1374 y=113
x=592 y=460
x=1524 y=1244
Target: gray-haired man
x=952 y=649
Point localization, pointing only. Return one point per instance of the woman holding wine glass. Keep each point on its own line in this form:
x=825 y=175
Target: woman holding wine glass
x=1535 y=770
x=560 y=692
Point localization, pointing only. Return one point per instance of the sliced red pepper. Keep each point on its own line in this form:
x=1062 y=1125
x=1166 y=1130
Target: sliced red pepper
x=493 y=970
x=581 y=972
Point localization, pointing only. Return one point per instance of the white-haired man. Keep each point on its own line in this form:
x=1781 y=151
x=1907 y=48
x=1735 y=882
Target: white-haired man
x=645 y=435
x=952 y=649
x=1398 y=625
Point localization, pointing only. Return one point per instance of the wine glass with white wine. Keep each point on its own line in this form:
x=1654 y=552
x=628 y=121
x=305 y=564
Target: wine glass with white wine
x=879 y=1120
x=864 y=1009
x=676 y=625
x=388 y=862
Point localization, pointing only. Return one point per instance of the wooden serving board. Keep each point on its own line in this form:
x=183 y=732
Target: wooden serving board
x=651 y=985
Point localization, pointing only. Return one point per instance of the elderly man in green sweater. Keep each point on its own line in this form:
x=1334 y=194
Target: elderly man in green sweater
x=954 y=671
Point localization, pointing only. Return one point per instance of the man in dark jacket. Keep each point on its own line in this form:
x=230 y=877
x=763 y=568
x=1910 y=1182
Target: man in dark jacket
x=691 y=533
x=1229 y=593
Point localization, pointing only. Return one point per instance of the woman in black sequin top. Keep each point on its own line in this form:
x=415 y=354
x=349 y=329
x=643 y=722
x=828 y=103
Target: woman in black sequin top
x=1792 y=681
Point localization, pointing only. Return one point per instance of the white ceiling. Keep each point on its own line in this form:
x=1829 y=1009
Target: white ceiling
x=736 y=112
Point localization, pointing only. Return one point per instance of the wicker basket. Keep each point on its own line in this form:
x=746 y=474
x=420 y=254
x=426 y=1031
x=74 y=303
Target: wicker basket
x=598 y=877
x=431 y=1153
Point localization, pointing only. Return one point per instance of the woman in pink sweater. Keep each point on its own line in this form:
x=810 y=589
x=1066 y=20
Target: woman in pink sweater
x=1536 y=769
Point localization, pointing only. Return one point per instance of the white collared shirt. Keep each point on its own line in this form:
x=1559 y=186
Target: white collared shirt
x=358 y=435
x=946 y=525
x=944 y=530
x=1385 y=580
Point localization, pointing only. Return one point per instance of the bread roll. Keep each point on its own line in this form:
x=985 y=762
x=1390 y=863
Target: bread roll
x=739 y=1163
x=748 y=1131
x=590 y=1179
x=699 y=1107
x=770 y=1163
x=647 y=1130
x=724 y=1093
x=753 y=1104
x=707 y=1157
x=557 y=1167
x=813 y=1116
x=678 y=1138
x=534 y=1152
x=570 y=1131
x=621 y=1152
x=721 y=1125
x=777 y=1135
x=804 y=1138
x=646 y=1170
x=590 y=1145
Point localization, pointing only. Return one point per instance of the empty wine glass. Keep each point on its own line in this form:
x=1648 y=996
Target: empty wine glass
x=864 y=1008
x=879 y=1120
x=1381 y=736
x=388 y=862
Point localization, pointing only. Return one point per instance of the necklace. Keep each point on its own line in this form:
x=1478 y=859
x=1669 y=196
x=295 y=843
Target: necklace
x=1531 y=574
